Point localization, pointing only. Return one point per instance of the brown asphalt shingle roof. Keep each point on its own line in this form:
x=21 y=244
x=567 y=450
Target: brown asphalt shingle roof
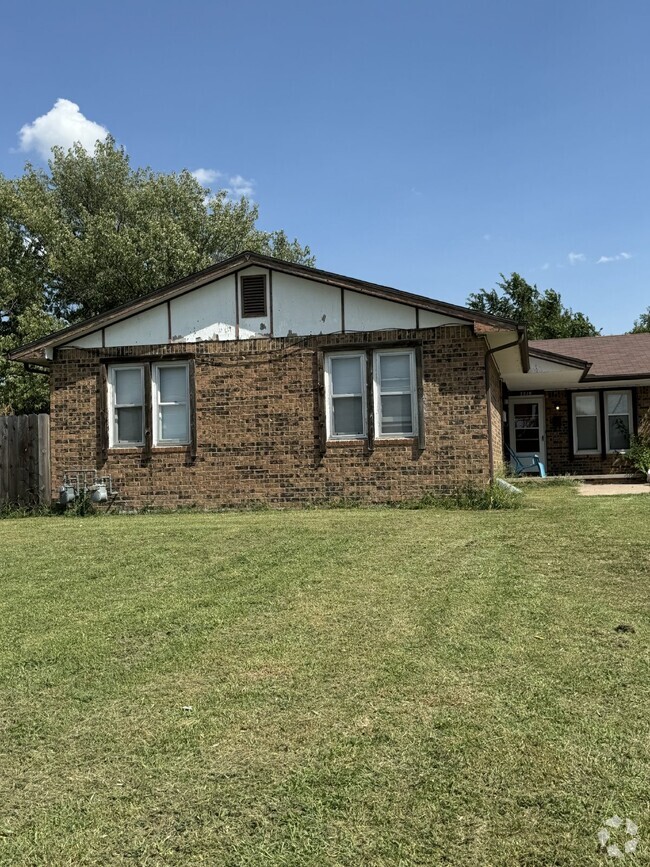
x=611 y=356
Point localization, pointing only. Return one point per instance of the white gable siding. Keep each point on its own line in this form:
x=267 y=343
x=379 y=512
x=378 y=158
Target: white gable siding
x=296 y=305
x=304 y=307
x=365 y=313
x=149 y=327
x=429 y=319
x=88 y=341
x=208 y=313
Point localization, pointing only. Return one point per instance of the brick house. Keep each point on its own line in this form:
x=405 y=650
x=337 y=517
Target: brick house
x=258 y=380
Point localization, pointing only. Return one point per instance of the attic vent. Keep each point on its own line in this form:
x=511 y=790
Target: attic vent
x=253 y=296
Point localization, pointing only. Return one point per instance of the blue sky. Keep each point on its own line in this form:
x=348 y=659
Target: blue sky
x=425 y=145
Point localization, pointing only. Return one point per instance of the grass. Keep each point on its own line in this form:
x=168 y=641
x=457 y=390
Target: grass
x=368 y=686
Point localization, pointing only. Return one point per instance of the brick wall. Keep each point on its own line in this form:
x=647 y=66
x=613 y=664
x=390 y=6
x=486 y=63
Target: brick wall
x=257 y=426
x=496 y=417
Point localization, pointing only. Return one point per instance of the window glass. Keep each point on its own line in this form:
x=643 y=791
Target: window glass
x=619 y=432
x=587 y=431
x=129 y=424
x=586 y=404
x=395 y=373
x=396 y=413
x=128 y=386
x=346 y=375
x=173 y=384
x=347 y=413
x=174 y=425
x=617 y=403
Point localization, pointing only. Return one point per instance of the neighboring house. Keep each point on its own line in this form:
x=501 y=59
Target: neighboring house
x=258 y=380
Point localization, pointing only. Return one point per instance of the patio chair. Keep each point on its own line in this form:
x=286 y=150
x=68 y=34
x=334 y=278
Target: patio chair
x=520 y=468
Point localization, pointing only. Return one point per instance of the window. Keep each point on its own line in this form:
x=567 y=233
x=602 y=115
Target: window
x=589 y=408
x=135 y=410
x=394 y=394
x=253 y=296
x=618 y=409
x=171 y=404
x=586 y=423
x=345 y=384
x=126 y=388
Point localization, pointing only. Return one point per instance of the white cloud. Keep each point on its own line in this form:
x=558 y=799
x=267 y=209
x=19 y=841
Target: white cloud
x=546 y=266
x=574 y=258
x=63 y=125
x=617 y=258
x=235 y=186
x=240 y=186
x=206 y=176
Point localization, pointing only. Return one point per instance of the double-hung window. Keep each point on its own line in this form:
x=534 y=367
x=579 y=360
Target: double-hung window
x=171 y=404
x=618 y=410
x=345 y=384
x=126 y=396
x=393 y=399
x=138 y=415
x=586 y=423
x=395 y=393
x=588 y=410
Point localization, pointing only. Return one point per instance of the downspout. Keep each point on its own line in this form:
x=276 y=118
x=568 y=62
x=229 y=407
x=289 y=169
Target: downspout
x=521 y=337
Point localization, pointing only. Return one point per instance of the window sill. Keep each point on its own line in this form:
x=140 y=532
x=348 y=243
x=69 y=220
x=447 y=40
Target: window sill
x=357 y=442
x=377 y=443
x=113 y=451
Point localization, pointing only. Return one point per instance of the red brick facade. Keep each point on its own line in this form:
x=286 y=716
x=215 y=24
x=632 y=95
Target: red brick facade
x=258 y=424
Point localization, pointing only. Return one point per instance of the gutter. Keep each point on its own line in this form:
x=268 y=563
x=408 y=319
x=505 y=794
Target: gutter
x=522 y=343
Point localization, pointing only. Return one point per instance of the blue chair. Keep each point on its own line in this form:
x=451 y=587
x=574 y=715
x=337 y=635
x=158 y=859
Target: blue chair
x=520 y=468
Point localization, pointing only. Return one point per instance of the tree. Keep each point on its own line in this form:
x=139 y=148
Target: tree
x=91 y=232
x=642 y=324
x=542 y=312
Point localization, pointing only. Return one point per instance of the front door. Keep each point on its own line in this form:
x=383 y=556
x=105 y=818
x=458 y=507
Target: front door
x=527 y=428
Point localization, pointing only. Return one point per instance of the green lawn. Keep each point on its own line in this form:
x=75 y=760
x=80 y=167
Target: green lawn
x=368 y=686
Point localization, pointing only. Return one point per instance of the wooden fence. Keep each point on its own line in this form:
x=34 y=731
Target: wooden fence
x=25 y=460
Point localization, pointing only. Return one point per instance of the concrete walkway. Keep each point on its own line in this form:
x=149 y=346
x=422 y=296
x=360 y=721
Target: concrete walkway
x=609 y=490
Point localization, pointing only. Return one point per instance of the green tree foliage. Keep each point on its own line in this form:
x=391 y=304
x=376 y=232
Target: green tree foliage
x=642 y=324
x=543 y=312
x=91 y=232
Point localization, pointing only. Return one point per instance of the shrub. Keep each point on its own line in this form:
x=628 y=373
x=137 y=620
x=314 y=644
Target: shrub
x=638 y=454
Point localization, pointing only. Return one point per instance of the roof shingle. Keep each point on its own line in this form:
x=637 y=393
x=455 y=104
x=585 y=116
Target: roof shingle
x=611 y=356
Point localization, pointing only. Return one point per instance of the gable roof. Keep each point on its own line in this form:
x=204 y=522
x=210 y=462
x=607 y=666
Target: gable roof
x=618 y=356
x=245 y=260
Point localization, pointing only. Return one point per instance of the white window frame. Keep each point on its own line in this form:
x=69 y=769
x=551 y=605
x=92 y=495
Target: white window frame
x=156 y=403
x=606 y=394
x=113 y=406
x=329 y=397
x=413 y=391
x=576 y=450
